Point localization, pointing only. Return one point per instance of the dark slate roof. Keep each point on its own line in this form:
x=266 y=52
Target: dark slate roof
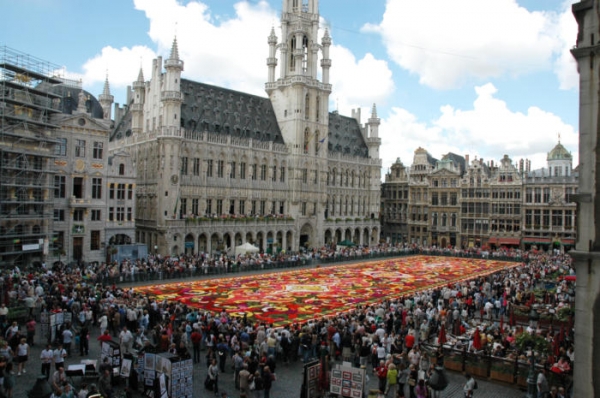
x=70 y=98
x=123 y=129
x=345 y=136
x=220 y=110
x=457 y=159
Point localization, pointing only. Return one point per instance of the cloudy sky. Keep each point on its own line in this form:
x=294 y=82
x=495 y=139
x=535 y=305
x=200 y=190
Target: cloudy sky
x=484 y=78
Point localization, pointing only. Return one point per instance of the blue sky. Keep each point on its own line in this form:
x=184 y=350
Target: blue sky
x=465 y=76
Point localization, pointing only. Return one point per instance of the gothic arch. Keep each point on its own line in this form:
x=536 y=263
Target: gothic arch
x=189 y=241
x=203 y=243
x=307 y=238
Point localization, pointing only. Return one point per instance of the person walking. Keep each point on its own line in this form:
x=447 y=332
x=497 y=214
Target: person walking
x=268 y=378
x=213 y=375
x=22 y=356
x=542 y=384
x=469 y=386
x=244 y=377
x=46 y=357
x=392 y=381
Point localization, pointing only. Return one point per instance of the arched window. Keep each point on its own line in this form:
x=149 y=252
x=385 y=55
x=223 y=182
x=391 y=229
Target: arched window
x=318 y=110
x=306 y=139
x=444 y=219
x=304 y=54
x=307 y=106
x=292 y=48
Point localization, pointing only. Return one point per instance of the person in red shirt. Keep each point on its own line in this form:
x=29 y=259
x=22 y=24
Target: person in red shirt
x=409 y=341
x=196 y=338
x=381 y=372
x=104 y=337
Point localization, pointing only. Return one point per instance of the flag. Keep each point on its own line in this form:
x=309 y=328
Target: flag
x=323 y=140
x=176 y=201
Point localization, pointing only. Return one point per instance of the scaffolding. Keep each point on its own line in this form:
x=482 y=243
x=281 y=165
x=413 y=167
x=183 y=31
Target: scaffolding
x=27 y=149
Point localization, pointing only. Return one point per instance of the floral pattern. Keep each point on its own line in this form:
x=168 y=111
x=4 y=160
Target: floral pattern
x=281 y=298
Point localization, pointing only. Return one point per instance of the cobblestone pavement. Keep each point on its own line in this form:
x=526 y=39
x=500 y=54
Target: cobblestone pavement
x=289 y=377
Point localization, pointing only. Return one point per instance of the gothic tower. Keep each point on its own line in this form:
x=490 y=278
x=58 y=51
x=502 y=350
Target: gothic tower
x=106 y=100
x=586 y=377
x=169 y=134
x=300 y=102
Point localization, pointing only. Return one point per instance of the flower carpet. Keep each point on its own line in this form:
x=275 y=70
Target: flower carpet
x=297 y=296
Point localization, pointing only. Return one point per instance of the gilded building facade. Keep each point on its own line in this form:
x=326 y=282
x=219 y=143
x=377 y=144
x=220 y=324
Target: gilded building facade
x=465 y=203
x=217 y=168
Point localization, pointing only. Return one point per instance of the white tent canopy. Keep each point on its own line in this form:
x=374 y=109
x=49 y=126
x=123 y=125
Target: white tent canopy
x=246 y=248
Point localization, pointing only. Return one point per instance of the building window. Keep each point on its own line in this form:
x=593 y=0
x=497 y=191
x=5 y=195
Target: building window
x=184 y=166
x=129 y=214
x=78 y=215
x=209 y=206
x=282 y=174
x=263 y=205
x=253 y=205
x=274 y=176
x=263 y=172
x=80 y=148
x=196 y=168
x=130 y=192
x=98 y=149
x=95 y=240
x=96 y=188
x=303 y=209
x=220 y=168
x=60 y=149
x=242 y=207
x=96 y=215
x=254 y=172
x=120 y=214
x=304 y=176
x=209 y=168
x=194 y=206
x=78 y=187
x=121 y=169
x=121 y=192
x=111 y=214
x=183 y=207
x=59 y=215
x=219 y=206
x=60 y=186
x=232 y=170
x=243 y=170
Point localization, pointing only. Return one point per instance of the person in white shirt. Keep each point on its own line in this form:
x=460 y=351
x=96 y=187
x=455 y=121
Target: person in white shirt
x=59 y=357
x=126 y=339
x=22 y=356
x=46 y=357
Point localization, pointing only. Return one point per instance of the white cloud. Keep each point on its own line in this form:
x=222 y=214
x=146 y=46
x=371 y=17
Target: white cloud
x=565 y=66
x=231 y=52
x=450 y=43
x=489 y=130
x=122 y=66
x=358 y=83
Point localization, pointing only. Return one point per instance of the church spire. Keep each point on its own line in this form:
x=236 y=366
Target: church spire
x=174 y=50
x=106 y=100
x=140 y=78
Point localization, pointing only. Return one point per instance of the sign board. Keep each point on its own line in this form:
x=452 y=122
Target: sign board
x=347 y=381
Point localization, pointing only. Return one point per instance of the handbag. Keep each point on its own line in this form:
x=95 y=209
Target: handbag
x=412 y=382
x=252 y=386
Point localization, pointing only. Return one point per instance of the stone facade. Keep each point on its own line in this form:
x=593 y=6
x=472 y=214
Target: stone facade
x=586 y=375
x=461 y=203
x=217 y=168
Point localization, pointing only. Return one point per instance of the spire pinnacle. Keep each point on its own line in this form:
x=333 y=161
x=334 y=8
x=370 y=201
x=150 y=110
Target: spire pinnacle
x=106 y=90
x=374 y=112
x=174 y=50
x=140 y=76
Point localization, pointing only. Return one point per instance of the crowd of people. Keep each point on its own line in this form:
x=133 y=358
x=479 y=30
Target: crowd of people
x=391 y=339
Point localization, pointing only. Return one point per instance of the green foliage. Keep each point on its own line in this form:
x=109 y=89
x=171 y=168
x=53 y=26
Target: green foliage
x=524 y=341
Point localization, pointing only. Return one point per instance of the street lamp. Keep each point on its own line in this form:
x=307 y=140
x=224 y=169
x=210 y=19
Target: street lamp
x=155 y=250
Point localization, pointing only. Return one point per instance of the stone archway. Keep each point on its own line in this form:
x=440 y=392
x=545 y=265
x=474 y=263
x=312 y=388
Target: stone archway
x=289 y=239
x=189 y=244
x=203 y=243
x=307 y=238
x=328 y=237
x=260 y=241
x=366 y=237
x=237 y=240
x=119 y=239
